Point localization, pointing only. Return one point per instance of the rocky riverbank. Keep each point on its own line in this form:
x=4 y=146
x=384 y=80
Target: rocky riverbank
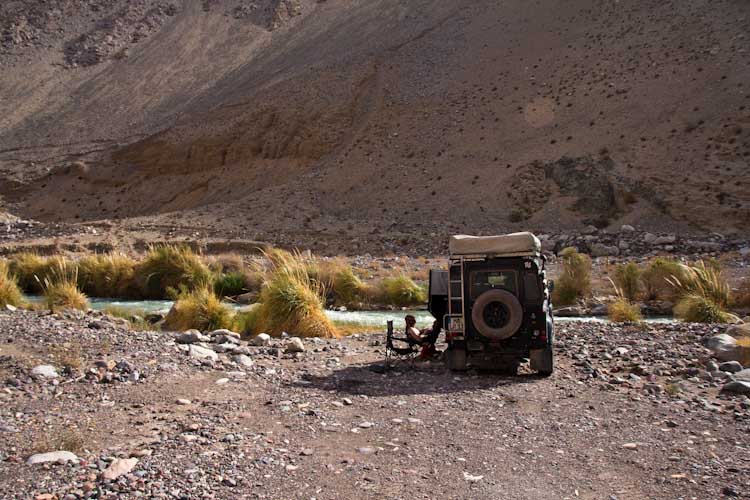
x=162 y=415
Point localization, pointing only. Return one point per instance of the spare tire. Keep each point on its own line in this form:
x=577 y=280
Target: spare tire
x=497 y=314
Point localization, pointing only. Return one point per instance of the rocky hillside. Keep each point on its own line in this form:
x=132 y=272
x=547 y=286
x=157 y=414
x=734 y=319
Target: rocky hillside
x=350 y=118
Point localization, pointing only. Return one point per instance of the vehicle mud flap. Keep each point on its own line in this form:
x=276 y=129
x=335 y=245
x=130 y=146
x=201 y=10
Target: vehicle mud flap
x=541 y=360
x=456 y=358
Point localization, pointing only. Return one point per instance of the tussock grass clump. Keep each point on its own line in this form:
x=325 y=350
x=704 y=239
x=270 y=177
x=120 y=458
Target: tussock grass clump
x=30 y=270
x=60 y=288
x=624 y=311
x=291 y=300
x=348 y=289
x=10 y=294
x=167 y=269
x=108 y=275
x=230 y=284
x=655 y=279
x=704 y=294
x=399 y=291
x=575 y=281
x=627 y=279
x=200 y=309
x=245 y=322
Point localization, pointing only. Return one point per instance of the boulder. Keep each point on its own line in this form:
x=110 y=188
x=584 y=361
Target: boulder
x=737 y=387
x=53 y=456
x=743 y=375
x=600 y=250
x=295 y=345
x=199 y=352
x=649 y=238
x=262 y=339
x=730 y=367
x=664 y=240
x=44 y=371
x=190 y=337
x=627 y=228
x=725 y=348
x=737 y=331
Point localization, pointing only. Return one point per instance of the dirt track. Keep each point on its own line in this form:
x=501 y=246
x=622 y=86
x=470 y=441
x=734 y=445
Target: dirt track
x=322 y=424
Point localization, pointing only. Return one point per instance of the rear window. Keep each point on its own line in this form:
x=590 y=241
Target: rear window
x=481 y=281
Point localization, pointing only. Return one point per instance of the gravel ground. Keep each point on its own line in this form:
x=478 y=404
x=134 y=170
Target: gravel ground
x=629 y=414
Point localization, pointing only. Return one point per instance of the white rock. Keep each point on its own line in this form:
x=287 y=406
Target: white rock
x=183 y=402
x=199 y=352
x=222 y=381
x=295 y=345
x=224 y=331
x=46 y=371
x=190 y=337
x=53 y=456
x=243 y=361
x=471 y=478
x=725 y=348
x=262 y=339
x=627 y=228
x=119 y=467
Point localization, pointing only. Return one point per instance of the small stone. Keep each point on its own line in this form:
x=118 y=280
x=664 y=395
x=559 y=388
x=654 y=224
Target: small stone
x=366 y=425
x=222 y=381
x=229 y=482
x=366 y=450
x=306 y=452
x=347 y=401
x=737 y=387
x=295 y=345
x=630 y=446
x=472 y=478
x=243 y=360
x=262 y=339
x=183 y=402
x=191 y=337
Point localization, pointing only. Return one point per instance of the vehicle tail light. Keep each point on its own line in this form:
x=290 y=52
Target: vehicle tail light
x=543 y=335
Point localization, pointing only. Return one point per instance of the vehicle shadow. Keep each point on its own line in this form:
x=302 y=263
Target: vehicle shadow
x=372 y=380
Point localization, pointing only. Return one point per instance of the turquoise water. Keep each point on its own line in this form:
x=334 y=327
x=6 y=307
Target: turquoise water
x=361 y=318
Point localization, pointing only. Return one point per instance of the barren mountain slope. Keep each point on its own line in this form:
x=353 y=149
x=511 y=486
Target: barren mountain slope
x=353 y=117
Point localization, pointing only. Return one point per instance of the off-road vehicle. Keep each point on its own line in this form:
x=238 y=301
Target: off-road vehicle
x=494 y=300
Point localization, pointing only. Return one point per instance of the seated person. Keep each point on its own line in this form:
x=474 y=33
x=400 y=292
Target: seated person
x=425 y=337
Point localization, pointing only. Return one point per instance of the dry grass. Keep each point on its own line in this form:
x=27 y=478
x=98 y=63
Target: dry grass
x=10 y=294
x=624 y=311
x=60 y=288
x=399 y=291
x=704 y=294
x=291 y=300
x=742 y=295
x=655 y=279
x=200 y=309
x=574 y=283
x=30 y=270
x=168 y=269
x=627 y=277
x=108 y=275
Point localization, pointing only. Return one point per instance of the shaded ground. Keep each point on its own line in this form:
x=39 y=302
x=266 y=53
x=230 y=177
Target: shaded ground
x=323 y=424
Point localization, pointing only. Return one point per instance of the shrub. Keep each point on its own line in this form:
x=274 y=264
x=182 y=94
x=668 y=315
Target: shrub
x=168 y=268
x=291 y=300
x=230 y=284
x=30 y=271
x=400 y=291
x=200 y=309
x=627 y=278
x=60 y=288
x=109 y=275
x=10 y=294
x=654 y=279
x=624 y=311
x=226 y=263
x=703 y=293
x=574 y=282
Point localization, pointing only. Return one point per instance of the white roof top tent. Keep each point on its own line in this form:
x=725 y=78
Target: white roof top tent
x=509 y=245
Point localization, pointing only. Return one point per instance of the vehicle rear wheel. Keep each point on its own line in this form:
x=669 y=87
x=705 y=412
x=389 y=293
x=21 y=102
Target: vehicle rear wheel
x=497 y=314
x=456 y=358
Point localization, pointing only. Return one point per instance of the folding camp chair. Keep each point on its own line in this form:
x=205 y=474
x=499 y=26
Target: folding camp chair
x=399 y=349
